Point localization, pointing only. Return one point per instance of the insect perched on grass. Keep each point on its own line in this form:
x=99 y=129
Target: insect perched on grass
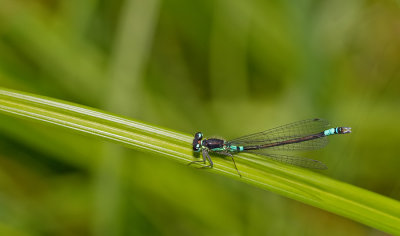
x=273 y=143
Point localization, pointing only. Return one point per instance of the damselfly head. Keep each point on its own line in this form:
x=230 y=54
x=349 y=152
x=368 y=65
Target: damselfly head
x=344 y=130
x=198 y=135
x=197 y=141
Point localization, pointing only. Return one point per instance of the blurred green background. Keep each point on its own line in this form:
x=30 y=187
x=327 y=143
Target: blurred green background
x=226 y=68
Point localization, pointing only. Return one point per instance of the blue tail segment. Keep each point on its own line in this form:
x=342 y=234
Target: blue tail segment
x=330 y=131
x=337 y=130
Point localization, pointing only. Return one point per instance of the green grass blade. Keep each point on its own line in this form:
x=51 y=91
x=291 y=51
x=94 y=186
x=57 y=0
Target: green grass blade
x=363 y=206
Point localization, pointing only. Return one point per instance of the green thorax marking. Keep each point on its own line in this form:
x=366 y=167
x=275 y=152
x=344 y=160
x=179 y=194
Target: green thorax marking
x=218 y=149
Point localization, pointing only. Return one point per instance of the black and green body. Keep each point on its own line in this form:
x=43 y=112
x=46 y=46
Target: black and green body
x=273 y=143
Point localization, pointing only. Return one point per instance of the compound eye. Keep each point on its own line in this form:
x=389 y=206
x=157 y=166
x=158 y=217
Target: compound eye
x=198 y=135
x=196 y=147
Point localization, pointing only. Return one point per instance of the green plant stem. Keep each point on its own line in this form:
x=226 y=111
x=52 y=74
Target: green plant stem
x=363 y=206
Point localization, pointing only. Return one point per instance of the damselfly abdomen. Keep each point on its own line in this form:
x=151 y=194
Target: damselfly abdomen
x=302 y=135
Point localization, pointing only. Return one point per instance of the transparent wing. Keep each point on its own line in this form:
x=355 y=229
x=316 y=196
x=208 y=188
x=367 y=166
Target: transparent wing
x=294 y=160
x=287 y=132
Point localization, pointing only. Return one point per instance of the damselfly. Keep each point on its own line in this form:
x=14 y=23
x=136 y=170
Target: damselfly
x=302 y=135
